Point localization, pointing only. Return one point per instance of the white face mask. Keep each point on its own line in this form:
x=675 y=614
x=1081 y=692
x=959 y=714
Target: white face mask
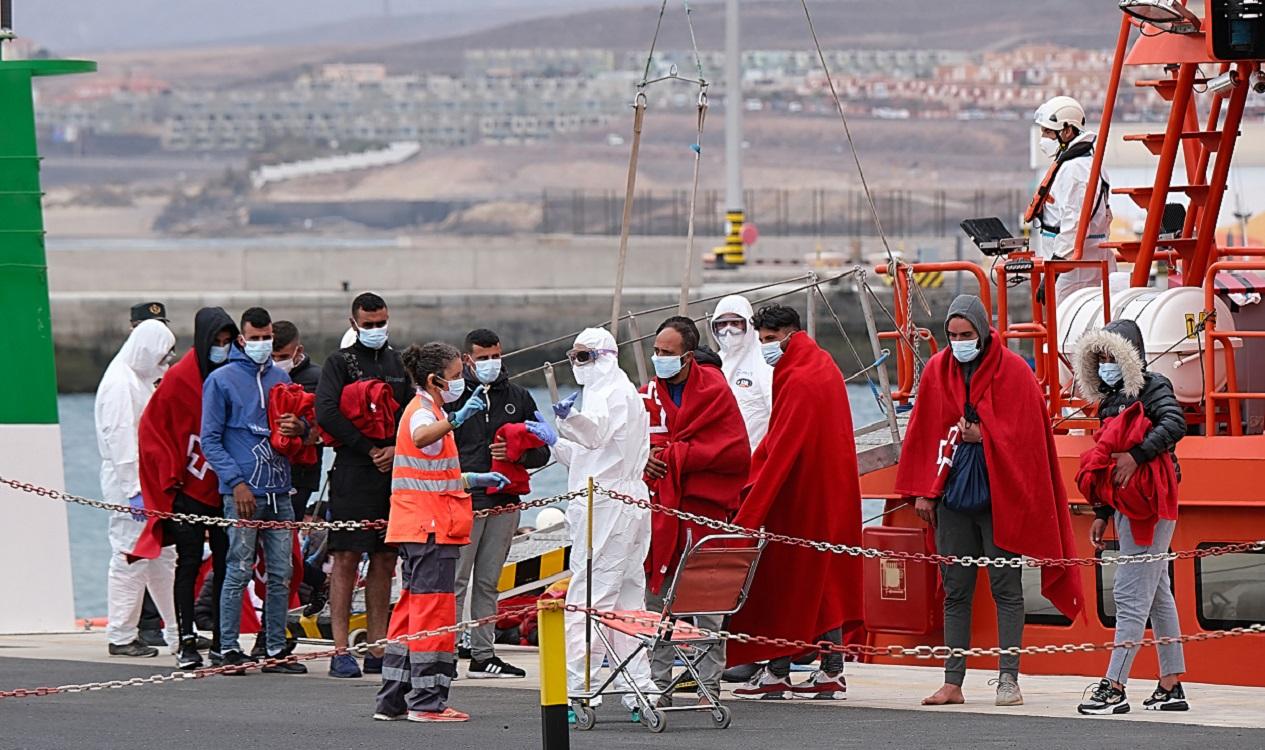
x=456 y=388
x=285 y=365
x=772 y=352
x=487 y=370
x=965 y=351
x=1049 y=146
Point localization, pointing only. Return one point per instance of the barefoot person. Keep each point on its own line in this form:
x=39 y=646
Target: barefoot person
x=1003 y=495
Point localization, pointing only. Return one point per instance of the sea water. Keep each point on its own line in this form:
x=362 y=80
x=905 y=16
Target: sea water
x=90 y=548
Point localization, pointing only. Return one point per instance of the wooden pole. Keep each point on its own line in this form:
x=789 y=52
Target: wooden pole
x=639 y=113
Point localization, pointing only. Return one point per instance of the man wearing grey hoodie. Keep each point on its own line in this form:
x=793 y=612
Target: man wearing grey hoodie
x=969 y=532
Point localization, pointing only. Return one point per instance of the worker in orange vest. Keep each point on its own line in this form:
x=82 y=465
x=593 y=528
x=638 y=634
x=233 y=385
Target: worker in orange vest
x=430 y=520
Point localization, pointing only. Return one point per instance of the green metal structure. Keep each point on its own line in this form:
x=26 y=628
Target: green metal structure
x=29 y=391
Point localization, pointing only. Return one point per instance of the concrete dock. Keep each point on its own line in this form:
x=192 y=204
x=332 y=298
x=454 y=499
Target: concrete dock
x=316 y=711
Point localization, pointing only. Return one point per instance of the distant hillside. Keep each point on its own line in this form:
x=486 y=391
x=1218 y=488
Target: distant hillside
x=780 y=24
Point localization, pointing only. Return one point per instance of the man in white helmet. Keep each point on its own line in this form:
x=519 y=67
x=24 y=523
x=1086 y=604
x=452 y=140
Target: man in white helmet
x=750 y=377
x=1055 y=210
x=609 y=440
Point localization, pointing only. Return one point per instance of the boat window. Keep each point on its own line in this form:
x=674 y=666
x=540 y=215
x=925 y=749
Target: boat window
x=1037 y=609
x=1230 y=589
x=1105 y=577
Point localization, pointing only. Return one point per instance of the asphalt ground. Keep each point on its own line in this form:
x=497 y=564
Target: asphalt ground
x=310 y=712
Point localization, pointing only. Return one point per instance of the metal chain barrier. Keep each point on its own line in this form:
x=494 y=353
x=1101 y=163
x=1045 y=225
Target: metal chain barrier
x=223 y=522
x=197 y=674
x=969 y=561
x=928 y=652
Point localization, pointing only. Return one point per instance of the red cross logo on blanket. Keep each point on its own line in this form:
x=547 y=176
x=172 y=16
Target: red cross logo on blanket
x=948 y=447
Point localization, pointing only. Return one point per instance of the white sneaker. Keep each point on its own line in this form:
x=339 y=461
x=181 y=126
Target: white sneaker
x=821 y=686
x=764 y=686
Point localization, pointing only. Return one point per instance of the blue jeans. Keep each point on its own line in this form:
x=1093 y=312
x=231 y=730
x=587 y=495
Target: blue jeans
x=242 y=546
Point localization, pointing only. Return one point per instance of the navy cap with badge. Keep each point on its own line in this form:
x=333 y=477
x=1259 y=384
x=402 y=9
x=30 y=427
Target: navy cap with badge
x=149 y=311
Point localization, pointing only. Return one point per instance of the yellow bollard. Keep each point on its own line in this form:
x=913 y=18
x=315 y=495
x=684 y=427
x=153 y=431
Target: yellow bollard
x=551 y=635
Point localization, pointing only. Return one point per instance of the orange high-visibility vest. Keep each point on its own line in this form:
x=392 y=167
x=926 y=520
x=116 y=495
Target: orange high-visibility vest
x=427 y=493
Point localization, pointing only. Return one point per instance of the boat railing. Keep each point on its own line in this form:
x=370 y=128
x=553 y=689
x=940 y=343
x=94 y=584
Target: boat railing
x=1222 y=342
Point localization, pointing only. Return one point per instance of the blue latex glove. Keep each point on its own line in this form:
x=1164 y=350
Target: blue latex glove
x=542 y=429
x=562 y=409
x=473 y=406
x=137 y=503
x=487 y=480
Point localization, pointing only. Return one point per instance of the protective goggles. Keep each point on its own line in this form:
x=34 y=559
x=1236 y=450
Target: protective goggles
x=586 y=356
x=723 y=327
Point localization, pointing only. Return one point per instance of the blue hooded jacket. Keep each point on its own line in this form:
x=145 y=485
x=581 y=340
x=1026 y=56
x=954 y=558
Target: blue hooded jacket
x=235 y=432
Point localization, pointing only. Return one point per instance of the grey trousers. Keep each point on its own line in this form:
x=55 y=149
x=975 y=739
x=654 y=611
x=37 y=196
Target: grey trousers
x=1142 y=590
x=971 y=534
x=478 y=572
x=662 y=658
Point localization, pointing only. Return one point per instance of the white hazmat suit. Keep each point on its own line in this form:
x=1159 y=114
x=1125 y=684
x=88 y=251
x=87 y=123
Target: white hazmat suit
x=1060 y=218
x=124 y=391
x=750 y=377
x=608 y=440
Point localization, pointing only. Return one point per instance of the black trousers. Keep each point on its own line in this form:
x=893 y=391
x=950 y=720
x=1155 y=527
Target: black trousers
x=190 y=541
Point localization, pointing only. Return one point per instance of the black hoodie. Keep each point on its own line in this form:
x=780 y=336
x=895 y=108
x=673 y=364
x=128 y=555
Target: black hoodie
x=207 y=324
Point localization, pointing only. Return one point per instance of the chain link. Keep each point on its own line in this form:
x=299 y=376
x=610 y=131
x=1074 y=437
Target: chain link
x=926 y=652
x=222 y=522
x=197 y=674
x=967 y=561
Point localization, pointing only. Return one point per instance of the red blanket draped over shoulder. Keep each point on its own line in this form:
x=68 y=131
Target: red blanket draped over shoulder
x=171 y=450
x=1029 y=499
x=1149 y=495
x=803 y=483
x=708 y=456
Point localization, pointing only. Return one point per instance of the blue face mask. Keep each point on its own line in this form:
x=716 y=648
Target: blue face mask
x=1110 y=373
x=258 y=351
x=374 y=338
x=218 y=354
x=772 y=352
x=965 y=351
x=487 y=370
x=667 y=367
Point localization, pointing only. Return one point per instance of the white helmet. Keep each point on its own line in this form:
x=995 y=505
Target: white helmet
x=548 y=518
x=1060 y=112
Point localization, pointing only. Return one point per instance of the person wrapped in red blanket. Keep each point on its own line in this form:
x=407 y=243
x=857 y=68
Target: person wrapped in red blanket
x=175 y=476
x=803 y=483
x=698 y=464
x=517 y=442
x=990 y=395
x=1148 y=495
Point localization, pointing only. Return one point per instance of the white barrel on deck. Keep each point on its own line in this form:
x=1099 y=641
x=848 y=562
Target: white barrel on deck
x=1169 y=319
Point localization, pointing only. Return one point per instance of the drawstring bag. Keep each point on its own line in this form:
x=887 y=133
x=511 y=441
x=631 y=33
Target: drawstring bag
x=967 y=488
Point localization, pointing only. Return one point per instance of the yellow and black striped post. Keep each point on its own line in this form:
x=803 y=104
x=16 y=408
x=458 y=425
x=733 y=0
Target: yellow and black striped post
x=551 y=635
x=733 y=253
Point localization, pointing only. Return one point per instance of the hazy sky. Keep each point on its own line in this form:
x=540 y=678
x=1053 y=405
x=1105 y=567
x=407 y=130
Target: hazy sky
x=68 y=26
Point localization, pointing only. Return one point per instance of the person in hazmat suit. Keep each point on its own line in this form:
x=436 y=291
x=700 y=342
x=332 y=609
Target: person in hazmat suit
x=1055 y=210
x=607 y=439
x=122 y=395
x=750 y=377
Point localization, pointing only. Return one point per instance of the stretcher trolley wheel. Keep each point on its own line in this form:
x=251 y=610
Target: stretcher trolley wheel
x=721 y=717
x=358 y=636
x=654 y=719
x=585 y=716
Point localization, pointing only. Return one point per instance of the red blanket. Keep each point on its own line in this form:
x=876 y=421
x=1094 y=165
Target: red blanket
x=708 y=458
x=171 y=457
x=1029 y=500
x=517 y=442
x=1150 y=494
x=291 y=398
x=370 y=405
x=804 y=483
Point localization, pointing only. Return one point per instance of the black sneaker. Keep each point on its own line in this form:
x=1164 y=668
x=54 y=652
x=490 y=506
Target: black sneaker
x=285 y=667
x=236 y=659
x=216 y=657
x=260 y=649
x=189 y=659
x=1105 y=700
x=135 y=649
x=493 y=668
x=152 y=638
x=1167 y=700
x=203 y=643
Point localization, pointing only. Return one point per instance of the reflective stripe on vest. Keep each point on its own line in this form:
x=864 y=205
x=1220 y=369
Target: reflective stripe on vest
x=427 y=464
x=426 y=485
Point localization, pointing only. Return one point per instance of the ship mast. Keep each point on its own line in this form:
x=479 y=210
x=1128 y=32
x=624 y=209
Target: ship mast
x=733 y=254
